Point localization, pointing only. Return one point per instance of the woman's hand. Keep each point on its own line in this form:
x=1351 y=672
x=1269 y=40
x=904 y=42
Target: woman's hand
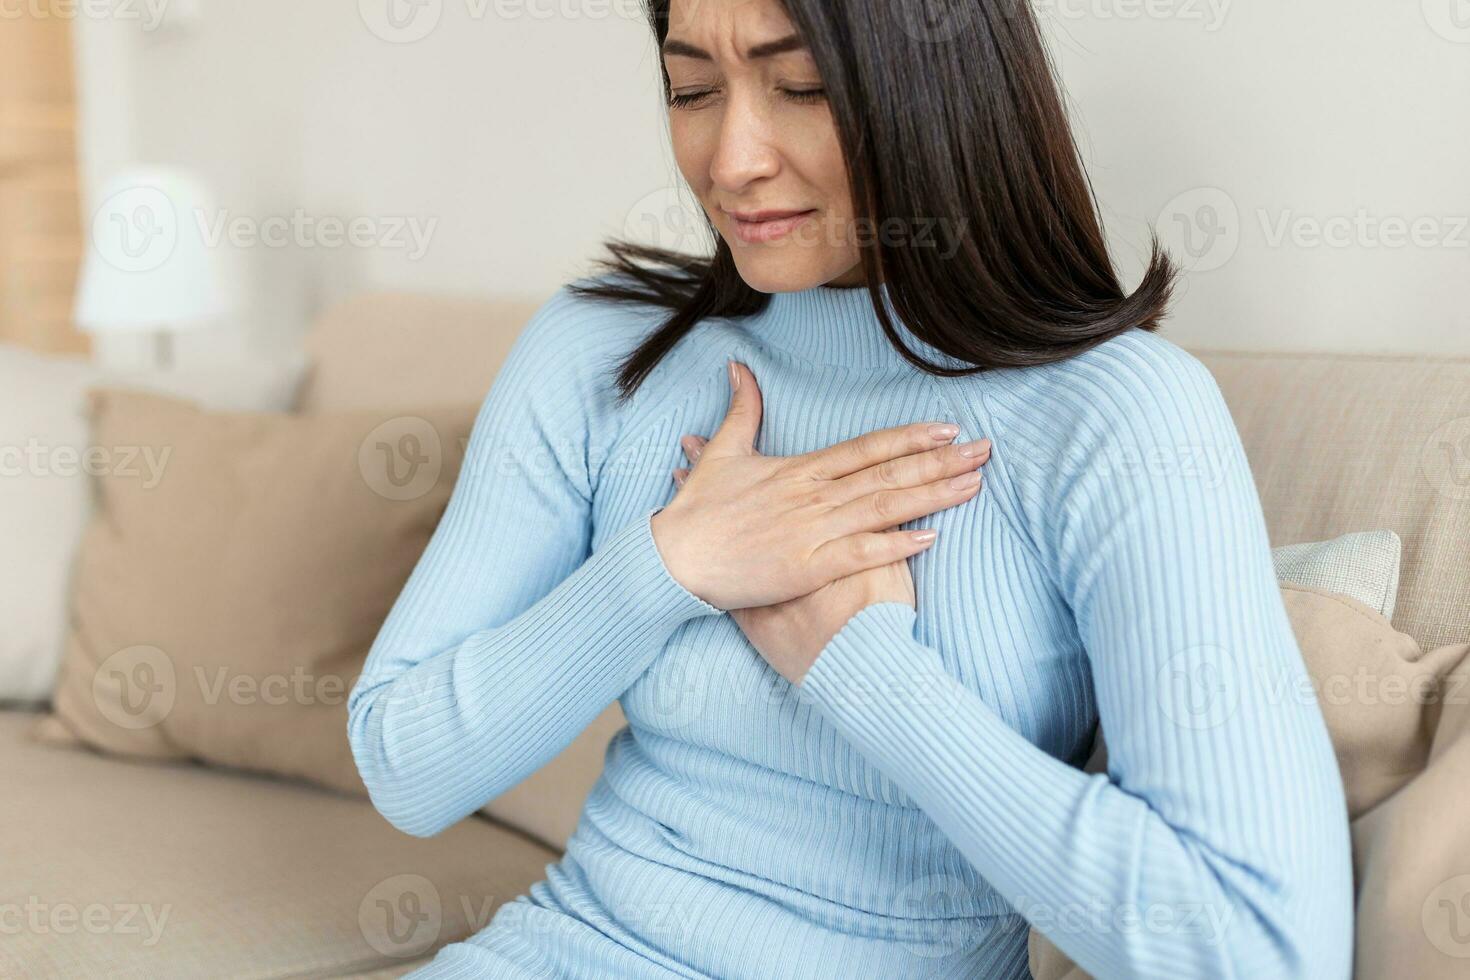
x=749 y=530
x=791 y=635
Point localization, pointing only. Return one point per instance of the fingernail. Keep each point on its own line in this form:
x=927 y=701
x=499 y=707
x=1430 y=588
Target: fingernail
x=944 y=430
x=922 y=536
x=974 y=448
x=965 y=480
x=734 y=376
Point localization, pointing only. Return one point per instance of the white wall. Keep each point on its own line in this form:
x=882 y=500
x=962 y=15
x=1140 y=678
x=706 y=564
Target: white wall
x=1291 y=115
x=517 y=141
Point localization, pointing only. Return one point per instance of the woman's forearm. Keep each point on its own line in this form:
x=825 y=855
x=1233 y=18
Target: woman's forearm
x=511 y=634
x=1098 y=869
x=438 y=734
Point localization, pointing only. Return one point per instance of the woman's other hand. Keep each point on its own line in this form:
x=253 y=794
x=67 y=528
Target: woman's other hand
x=791 y=635
x=747 y=530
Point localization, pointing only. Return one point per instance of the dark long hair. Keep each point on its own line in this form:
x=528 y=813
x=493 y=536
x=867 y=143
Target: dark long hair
x=958 y=125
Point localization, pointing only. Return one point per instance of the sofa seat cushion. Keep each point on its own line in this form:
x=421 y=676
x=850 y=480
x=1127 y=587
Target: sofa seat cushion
x=144 y=869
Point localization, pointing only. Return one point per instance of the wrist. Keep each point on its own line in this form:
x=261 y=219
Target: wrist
x=663 y=528
x=874 y=657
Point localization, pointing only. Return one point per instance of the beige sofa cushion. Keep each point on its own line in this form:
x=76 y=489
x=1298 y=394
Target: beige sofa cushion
x=1400 y=725
x=1338 y=443
x=384 y=350
x=197 y=872
x=224 y=613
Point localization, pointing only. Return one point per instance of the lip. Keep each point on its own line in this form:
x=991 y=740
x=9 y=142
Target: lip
x=764 y=226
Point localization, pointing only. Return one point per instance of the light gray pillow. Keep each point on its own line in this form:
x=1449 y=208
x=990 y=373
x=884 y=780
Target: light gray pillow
x=1363 y=565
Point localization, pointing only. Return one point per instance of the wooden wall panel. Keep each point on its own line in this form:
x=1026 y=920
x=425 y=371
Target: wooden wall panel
x=41 y=223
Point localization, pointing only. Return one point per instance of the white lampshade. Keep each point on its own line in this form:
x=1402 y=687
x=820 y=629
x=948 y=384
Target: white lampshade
x=149 y=264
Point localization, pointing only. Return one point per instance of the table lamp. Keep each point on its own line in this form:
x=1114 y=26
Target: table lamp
x=150 y=266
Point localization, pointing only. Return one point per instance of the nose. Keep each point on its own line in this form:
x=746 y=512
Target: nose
x=747 y=149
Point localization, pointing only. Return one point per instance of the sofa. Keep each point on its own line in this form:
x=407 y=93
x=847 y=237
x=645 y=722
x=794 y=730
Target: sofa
x=121 y=868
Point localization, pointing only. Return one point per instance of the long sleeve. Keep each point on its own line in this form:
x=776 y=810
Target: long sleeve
x=509 y=638
x=1217 y=843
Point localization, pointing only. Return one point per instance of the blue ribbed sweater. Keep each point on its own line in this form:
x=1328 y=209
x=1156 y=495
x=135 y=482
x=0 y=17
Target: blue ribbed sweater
x=917 y=801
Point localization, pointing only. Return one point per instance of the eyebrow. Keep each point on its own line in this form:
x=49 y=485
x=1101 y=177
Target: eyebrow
x=766 y=49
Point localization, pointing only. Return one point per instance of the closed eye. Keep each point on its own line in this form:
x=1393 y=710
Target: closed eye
x=689 y=100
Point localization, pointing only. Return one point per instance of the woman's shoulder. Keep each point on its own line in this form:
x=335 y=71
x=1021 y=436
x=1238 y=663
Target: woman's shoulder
x=1136 y=380
x=1123 y=424
x=564 y=363
x=1135 y=405
x=570 y=328
x=575 y=341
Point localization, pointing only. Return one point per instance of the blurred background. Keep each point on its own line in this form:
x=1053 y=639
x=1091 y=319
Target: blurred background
x=1306 y=160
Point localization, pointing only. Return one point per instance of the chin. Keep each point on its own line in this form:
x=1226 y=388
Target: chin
x=775 y=272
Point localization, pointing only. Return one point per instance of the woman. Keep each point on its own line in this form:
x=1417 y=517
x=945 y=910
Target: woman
x=853 y=748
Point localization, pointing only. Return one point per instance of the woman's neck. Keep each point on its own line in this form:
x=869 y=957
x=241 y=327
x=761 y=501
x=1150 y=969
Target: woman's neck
x=836 y=325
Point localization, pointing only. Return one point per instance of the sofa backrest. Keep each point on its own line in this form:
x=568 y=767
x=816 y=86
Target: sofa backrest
x=386 y=350
x=1353 y=442
x=1336 y=442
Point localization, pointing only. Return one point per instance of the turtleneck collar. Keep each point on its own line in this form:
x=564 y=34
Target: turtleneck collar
x=836 y=325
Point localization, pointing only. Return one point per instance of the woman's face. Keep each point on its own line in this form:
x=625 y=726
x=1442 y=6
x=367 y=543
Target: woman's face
x=752 y=134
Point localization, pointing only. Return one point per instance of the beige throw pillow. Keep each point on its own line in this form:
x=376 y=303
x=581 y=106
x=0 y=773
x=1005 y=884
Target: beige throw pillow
x=235 y=575
x=44 y=485
x=1403 y=747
